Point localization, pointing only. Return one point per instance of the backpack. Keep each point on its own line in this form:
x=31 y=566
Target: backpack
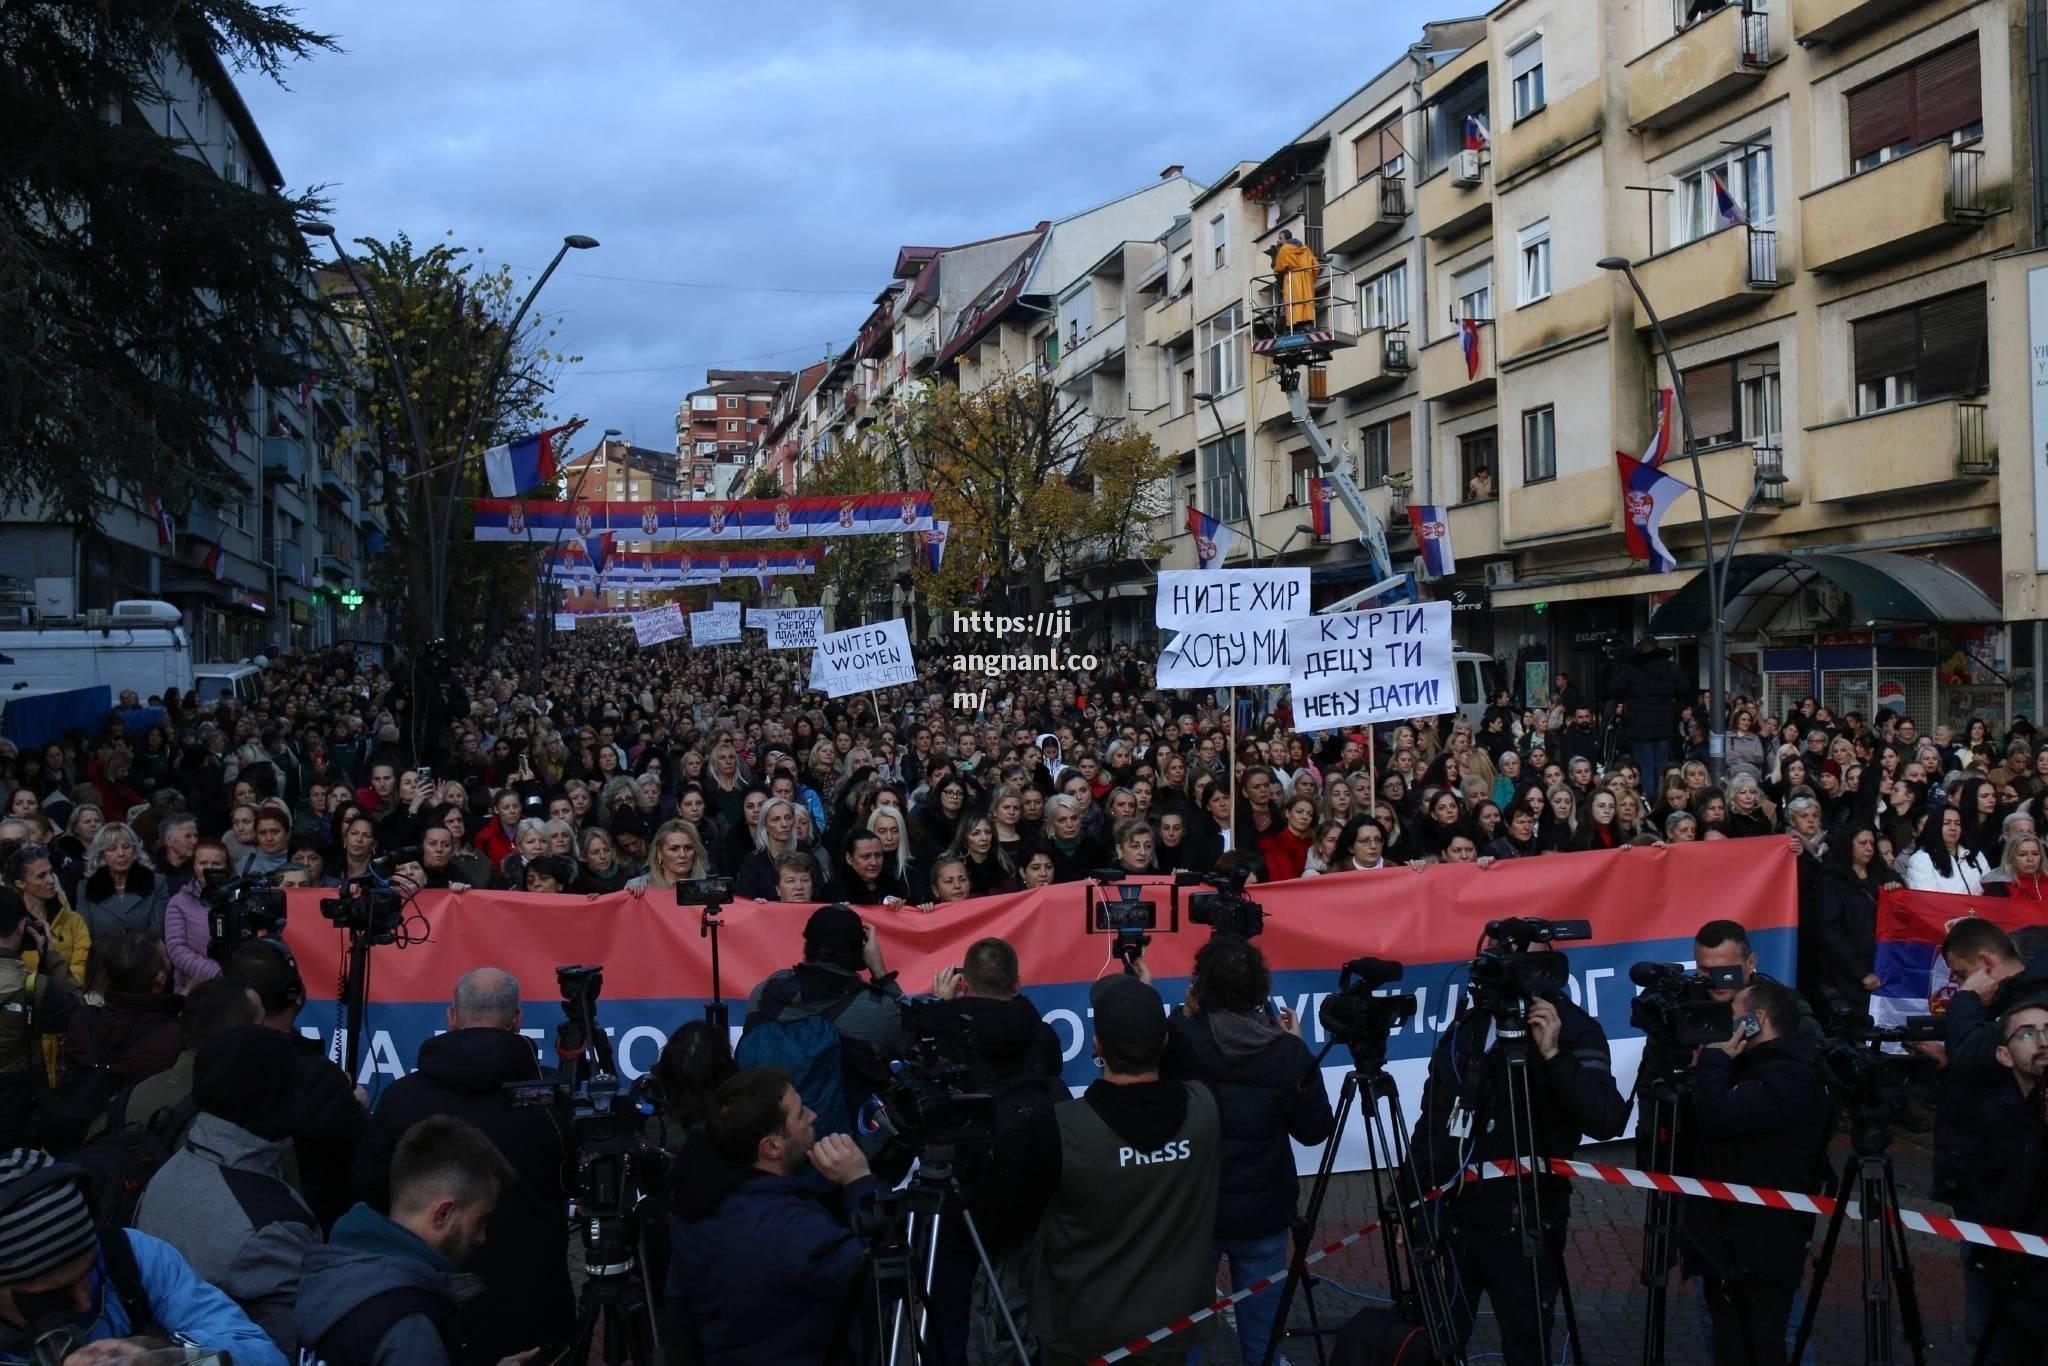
x=806 y=1047
x=120 y=1160
x=355 y=1336
x=66 y=1112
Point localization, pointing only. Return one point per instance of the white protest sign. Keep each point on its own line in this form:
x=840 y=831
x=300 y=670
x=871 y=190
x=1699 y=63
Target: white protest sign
x=863 y=657
x=789 y=628
x=1232 y=624
x=719 y=626
x=565 y=621
x=1358 y=668
x=658 y=624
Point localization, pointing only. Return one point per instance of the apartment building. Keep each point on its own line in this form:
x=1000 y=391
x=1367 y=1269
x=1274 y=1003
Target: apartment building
x=295 y=535
x=719 y=428
x=1814 y=195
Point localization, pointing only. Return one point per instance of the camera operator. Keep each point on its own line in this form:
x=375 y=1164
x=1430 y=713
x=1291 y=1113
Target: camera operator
x=462 y=1073
x=32 y=1004
x=1269 y=1090
x=1465 y=1120
x=1764 y=1120
x=764 y=1267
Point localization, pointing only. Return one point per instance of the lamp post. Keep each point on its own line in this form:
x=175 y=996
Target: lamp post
x=1717 y=664
x=545 y=585
x=1251 y=524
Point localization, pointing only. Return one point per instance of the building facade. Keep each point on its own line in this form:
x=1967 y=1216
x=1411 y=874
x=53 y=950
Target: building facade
x=617 y=471
x=720 y=429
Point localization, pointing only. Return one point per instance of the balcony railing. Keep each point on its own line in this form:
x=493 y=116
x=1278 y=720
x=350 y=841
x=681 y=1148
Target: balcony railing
x=1769 y=460
x=1973 y=450
x=1393 y=196
x=1756 y=36
x=1966 y=180
x=1763 y=257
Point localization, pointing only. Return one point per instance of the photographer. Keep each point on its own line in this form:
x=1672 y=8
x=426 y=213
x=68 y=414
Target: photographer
x=1268 y=1090
x=1571 y=1094
x=1764 y=1121
x=32 y=1004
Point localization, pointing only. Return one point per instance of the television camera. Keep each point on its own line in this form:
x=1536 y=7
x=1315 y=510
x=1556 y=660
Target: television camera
x=1676 y=1009
x=1360 y=1018
x=370 y=908
x=1127 y=915
x=1506 y=976
x=1226 y=909
x=238 y=910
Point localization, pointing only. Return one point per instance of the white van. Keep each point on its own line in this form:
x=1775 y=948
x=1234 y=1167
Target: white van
x=1479 y=678
x=140 y=645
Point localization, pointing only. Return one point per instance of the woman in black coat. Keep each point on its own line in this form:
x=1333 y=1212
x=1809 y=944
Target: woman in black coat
x=1850 y=881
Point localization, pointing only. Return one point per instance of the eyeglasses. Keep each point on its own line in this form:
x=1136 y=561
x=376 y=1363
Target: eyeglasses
x=2025 y=1034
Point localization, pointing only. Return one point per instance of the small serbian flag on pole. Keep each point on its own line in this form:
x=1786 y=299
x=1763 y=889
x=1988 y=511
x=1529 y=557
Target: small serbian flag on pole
x=1433 y=539
x=1724 y=203
x=524 y=464
x=212 y=563
x=1647 y=493
x=598 y=549
x=1212 y=539
x=1468 y=341
x=1660 y=438
x=1319 y=507
x=1476 y=136
x=164 y=534
x=934 y=546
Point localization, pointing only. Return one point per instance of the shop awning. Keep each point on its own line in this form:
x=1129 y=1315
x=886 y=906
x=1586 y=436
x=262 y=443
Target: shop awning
x=1884 y=589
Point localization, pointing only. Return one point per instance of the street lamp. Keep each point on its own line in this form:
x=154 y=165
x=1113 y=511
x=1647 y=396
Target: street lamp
x=545 y=585
x=1717 y=664
x=1251 y=524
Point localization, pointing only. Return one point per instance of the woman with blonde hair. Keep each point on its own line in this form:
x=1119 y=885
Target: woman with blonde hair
x=774 y=835
x=676 y=855
x=121 y=890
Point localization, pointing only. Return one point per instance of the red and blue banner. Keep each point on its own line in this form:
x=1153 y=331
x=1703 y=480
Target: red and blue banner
x=1432 y=539
x=1468 y=342
x=1910 y=928
x=1477 y=137
x=214 y=559
x=572 y=561
x=732 y=519
x=1319 y=492
x=1644 y=904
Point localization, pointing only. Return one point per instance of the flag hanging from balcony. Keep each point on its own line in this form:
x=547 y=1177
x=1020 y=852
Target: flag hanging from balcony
x=162 y=514
x=933 y=546
x=1212 y=539
x=212 y=563
x=1432 y=539
x=305 y=390
x=1724 y=203
x=1319 y=507
x=1477 y=138
x=1468 y=341
x=1647 y=493
x=1660 y=436
x=524 y=464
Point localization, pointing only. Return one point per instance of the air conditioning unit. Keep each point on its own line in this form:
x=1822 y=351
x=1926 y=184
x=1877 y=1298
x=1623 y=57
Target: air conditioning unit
x=1500 y=574
x=146 y=612
x=1465 y=169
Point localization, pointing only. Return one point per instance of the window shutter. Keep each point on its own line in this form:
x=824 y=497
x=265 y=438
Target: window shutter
x=1400 y=445
x=1879 y=114
x=1953 y=353
x=1526 y=58
x=1710 y=393
x=1884 y=345
x=1946 y=93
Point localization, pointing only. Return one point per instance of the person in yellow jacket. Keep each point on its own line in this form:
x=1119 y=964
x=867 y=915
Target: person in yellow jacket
x=30 y=873
x=1297 y=267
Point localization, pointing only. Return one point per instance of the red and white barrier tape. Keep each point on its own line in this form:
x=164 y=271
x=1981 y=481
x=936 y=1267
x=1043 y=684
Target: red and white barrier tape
x=1957 y=1230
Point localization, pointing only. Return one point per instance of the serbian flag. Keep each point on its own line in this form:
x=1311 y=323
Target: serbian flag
x=524 y=464
x=934 y=546
x=1660 y=438
x=1910 y=928
x=1476 y=136
x=1212 y=539
x=1432 y=539
x=1319 y=507
x=164 y=533
x=211 y=564
x=1724 y=203
x=1647 y=493
x=305 y=390
x=1468 y=341
x=598 y=550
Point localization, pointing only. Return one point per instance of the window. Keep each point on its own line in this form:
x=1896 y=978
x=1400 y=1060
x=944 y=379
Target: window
x=1479 y=451
x=1379 y=152
x=1539 y=445
x=1445 y=120
x=1525 y=68
x=1219 y=242
x=732 y=400
x=1304 y=469
x=704 y=403
x=1383 y=300
x=1535 y=257
x=732 y=425
x=1220 y=346
x=1473 y=290
x=1384 y=448
x=1936 y=99
x=1927 y=350
x=1745 y=172
x=1223 y=478
x=1735 y=400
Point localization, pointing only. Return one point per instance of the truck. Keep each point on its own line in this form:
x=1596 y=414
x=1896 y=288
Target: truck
x=139 y=645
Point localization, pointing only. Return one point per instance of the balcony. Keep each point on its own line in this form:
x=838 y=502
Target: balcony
x=1381 y=360
x=1558 y=318
x=1448 y=377
x=1475 y=529
x=1893 y=210
x=1709 y=275
x=1729 y=473
x=336 y=566
x=282 y=458
x=1102 y=347
x=1833 y=21
x=1368 y=212
x=1176 y=434
x=919 y=352
x=1444 y=208
x=1171 y=320
x=332 y=482
x=202 y=523
x=288 y=558
x=1453 y=71
x=1696 y=68
x=1586 y=503
x=1941 y=443
x=1562 y=124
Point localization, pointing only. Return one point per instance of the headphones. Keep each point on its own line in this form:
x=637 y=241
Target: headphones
x=295 y=988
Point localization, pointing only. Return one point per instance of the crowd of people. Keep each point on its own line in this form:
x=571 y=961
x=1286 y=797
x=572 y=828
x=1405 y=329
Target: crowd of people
x=283 y=1213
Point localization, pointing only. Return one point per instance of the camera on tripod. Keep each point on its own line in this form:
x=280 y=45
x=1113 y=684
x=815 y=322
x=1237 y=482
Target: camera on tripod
x=1226 y=910
x=1676 y=1009
x=1127 y=915
x=708 y=894
x=1864 y=1075
x=930 y=1100
x=239 y=910
x=1361 y=1019
x=369 y=907
x=1506 y=976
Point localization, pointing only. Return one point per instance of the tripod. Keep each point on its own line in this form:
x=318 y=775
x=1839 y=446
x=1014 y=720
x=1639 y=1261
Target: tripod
x=715 y=1013
x=1664 y=1091
x=1514 y=1046
x=1886 y=1266
x=905 y=1254
x=1425 y=1294
x=615 y=1265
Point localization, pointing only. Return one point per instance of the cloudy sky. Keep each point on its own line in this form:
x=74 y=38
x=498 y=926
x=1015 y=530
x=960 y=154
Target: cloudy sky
x=786 y=147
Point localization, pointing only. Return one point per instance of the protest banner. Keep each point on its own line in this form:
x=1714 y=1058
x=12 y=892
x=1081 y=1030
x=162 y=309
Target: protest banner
x=863 y=658
x=565 y=621
x=720 y=625
x=789 y=628
x=658 y=624
x=1232 y=624
x=1357 y=668
x=1644 y=904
